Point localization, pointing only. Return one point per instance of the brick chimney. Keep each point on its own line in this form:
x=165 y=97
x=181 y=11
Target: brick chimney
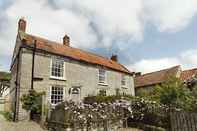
x=22 y=25
x=138 y=74
x=114 y=58
x=66 y=40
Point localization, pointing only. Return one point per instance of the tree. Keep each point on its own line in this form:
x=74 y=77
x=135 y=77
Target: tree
x=174 y=93
x=194 y=94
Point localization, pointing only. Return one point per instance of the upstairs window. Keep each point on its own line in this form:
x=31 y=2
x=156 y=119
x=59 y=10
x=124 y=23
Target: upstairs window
x=123 y=80
x=102 y=76
x=57 y=94
x=57 y=68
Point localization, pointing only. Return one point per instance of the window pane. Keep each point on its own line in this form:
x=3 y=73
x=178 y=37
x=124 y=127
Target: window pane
x=102 y=92
x=57 y=69
x=102 y=75
x=123 y=80
x=56 y=94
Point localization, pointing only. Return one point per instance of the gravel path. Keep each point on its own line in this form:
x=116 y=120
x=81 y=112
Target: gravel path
x=30 y=126
x=19 y=126
x=130 y=129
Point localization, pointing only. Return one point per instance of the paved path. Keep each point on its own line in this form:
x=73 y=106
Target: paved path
x=19 y=126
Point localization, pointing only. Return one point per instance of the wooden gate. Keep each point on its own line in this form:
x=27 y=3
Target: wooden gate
x=183 y=121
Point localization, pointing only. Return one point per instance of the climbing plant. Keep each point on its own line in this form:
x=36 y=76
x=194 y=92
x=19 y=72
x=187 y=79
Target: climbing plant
x=32 y=102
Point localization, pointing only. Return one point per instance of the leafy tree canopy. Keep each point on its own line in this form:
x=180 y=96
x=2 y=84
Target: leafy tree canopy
x=174 y=93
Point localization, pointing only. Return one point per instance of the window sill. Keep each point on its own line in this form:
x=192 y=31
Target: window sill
x=125 y=87
x=103 y=84
x=58 y=78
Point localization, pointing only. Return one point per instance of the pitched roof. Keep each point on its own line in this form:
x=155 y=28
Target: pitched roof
x=155 y=77
x=5 y=76
x=187 y=74
x=71 y=52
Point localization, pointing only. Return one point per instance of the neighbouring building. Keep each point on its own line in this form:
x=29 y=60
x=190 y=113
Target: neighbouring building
x=189 y=77
x=4 y=91
x=145 y=83
x=62 y=72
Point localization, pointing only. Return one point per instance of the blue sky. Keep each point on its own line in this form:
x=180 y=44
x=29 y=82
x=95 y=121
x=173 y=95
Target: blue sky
x=146 y=35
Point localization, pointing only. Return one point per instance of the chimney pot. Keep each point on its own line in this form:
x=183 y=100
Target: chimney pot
x=114 y=58
x=22 y=25
x=66 y=40
x=138 y=74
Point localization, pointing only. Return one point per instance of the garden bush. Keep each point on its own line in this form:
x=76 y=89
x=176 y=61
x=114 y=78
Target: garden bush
x=7 y=115
x=32 y=101
x=116 y=108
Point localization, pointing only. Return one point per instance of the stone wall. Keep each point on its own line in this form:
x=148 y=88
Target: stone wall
x=144 y=90
x=77 y=73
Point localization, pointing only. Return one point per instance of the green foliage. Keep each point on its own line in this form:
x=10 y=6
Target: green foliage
x=113 y=108
x=32 y=101
x=7 y=115
x=194 y=102
x=101 y=98
x=149 y=112
x=144 y=93
x=5 y=76
x=173 y=93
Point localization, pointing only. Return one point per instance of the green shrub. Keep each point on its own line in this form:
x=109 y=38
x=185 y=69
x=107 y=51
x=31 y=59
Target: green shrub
x=101 y=98
x=32 y=101
x=7 y=115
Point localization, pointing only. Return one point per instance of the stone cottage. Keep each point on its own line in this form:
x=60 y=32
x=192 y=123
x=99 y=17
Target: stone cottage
x=62 y=72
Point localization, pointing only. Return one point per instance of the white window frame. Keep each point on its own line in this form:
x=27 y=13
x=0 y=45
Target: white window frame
x=123 y=78
x=105 y=76
x=50 y=93
x=56 y=77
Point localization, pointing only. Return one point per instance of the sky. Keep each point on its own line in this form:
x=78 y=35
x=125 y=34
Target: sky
x=147 y=35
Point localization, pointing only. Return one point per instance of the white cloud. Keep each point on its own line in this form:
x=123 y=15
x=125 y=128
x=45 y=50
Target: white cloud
x=186 y=59
x=53 y=24
x=189 y=58
x=150 y=65
x=170 y=15
x=92 y=23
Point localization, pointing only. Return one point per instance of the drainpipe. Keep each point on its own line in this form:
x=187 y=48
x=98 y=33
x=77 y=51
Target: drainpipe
x=33 y=61
x=17 y=84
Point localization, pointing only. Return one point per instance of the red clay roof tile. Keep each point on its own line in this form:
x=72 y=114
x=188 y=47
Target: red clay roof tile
x=74 y=53
x=187 y=74
x=155 y=77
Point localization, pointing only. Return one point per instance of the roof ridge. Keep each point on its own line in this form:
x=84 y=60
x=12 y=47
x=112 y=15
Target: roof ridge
x=160 y=70
x=190 y=69
x=45 y=39
x=77 y=50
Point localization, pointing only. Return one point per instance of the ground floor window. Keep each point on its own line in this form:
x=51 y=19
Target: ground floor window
x=102 y=92
x=117 y=91
x=57 y=94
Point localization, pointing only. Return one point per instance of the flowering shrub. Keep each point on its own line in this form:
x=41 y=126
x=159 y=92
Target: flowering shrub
x=112 y=111
x=149 y=112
